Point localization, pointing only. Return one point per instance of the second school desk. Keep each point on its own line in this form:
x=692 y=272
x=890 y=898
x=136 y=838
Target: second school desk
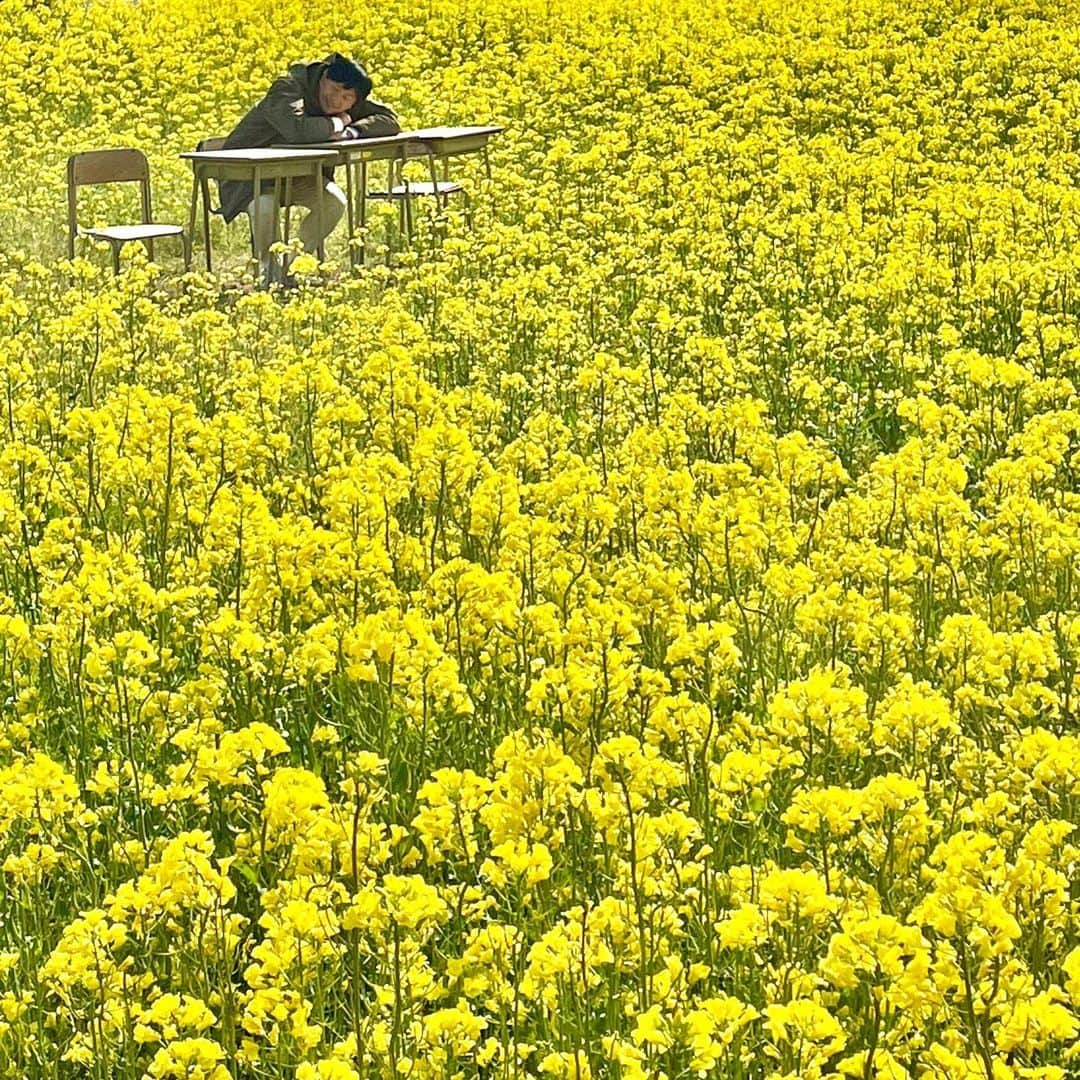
x=432 y=143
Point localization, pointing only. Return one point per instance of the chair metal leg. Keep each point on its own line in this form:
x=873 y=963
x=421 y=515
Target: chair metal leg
x=115 y=257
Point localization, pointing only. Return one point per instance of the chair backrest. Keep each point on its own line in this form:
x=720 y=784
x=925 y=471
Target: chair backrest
x=105 y=167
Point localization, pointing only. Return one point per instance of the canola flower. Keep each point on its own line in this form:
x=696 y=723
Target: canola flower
x=635 y=636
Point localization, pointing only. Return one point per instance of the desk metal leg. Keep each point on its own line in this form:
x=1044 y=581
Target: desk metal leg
x=398 y=179
x=439 y=203
x=440 y=200
x=256 y=221
x=204 y=187
x=320 y=195
x=287 y=207
x=194 y=202
x=362 y=196
x=351 y=210
x=275 y=226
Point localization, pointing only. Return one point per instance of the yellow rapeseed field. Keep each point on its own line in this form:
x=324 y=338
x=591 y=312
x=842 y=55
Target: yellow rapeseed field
x=636 y=637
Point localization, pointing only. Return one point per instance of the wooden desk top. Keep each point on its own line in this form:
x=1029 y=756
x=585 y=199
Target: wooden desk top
x=444 y=137
x=428 y=134
x=259 y=155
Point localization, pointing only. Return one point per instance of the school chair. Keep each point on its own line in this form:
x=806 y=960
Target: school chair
x=400 y=189
x=116 y=167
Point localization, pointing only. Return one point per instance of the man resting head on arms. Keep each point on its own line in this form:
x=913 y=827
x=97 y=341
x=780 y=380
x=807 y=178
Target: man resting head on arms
x=313 y=103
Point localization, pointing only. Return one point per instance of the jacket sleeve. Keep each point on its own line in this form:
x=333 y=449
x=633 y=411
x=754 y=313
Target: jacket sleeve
x=283 y=109
x=373 y=119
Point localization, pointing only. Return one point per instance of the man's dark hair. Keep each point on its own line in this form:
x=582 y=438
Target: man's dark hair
x=348 y=73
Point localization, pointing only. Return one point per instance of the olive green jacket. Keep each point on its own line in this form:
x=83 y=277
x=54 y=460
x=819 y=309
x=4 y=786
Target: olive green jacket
x=290 y=113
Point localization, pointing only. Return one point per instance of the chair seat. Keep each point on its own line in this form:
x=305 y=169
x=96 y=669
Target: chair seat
x=123 y=233
x=421 y=187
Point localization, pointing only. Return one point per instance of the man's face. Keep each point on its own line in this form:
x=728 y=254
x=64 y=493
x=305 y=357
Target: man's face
x=335 y=98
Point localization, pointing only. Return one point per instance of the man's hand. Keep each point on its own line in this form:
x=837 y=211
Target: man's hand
x=341 y=122
x=351 y=132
